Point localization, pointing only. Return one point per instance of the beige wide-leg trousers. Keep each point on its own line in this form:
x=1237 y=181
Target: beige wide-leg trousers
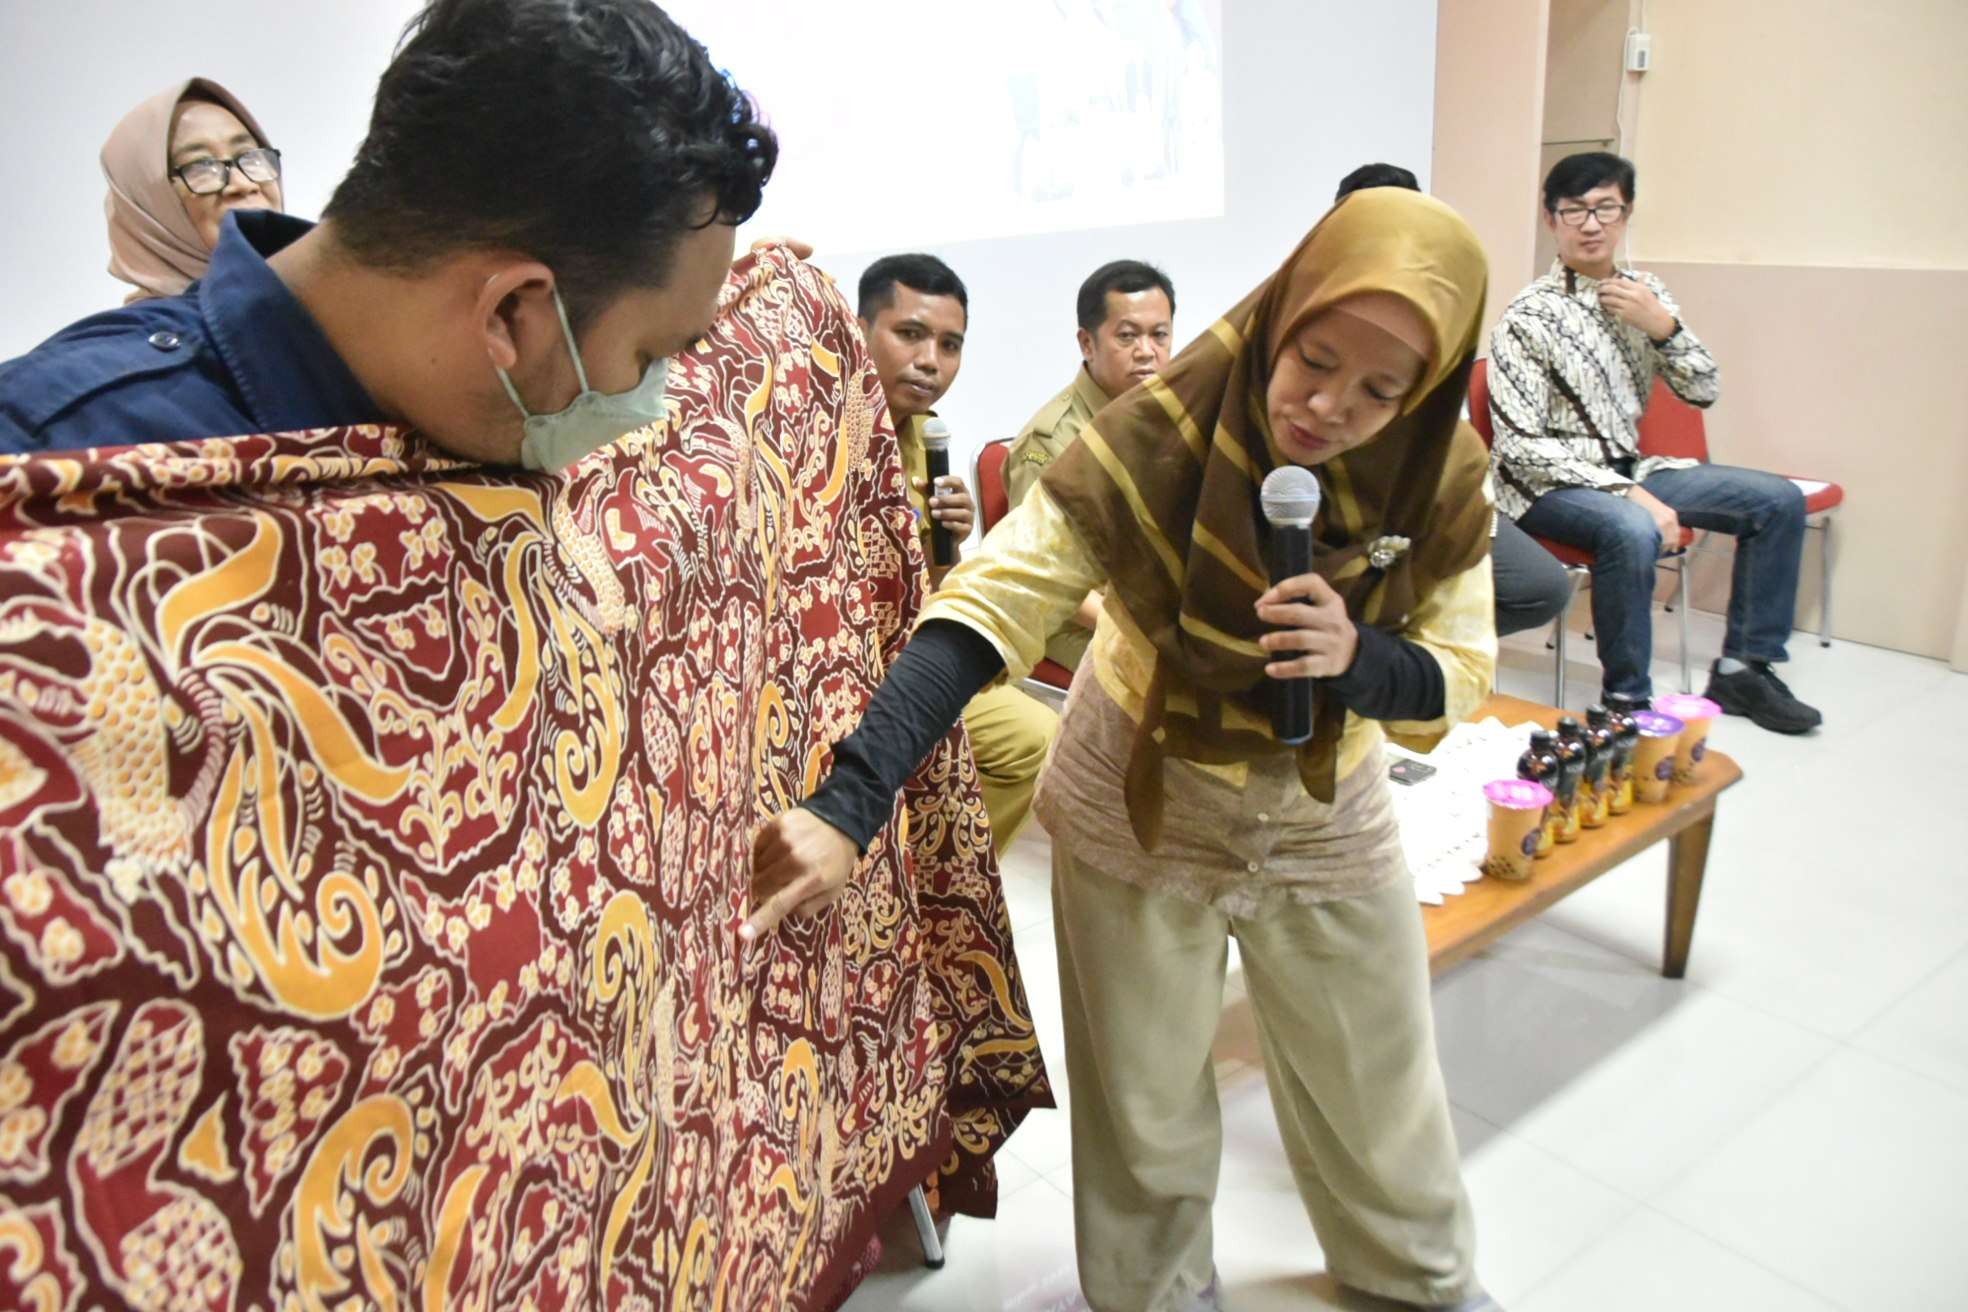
x=1339 y=990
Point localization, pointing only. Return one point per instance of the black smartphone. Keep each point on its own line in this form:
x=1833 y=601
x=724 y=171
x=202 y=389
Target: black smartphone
x=1405 y=771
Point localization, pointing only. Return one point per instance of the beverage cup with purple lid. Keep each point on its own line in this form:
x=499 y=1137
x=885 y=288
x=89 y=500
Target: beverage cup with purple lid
x=1654 y=756
x=1699 y=714
x=1517 y=808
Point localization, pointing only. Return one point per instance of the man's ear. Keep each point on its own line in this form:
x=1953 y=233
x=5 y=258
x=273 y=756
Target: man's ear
x=1086 y=346
x=514 y=308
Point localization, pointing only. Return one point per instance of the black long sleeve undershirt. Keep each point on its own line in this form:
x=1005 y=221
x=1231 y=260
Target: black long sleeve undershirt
x=1391 y=679
x=942 y=668
x=946 y=664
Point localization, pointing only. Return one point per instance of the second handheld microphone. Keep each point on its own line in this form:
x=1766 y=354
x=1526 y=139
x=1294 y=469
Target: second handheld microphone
x=936 y=447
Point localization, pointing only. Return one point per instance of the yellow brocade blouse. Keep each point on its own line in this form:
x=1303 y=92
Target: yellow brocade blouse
x=1033 y=571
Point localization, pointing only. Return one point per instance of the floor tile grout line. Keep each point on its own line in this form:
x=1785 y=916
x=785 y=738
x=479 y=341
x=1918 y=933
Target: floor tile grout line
x=1740 y=1126
x=1558 y=1157
x=1722 y=990
x=1678 y=1223
x=1728 y=1133
x=1750 y=1258
x=1925 y=1077
x=1753 y=1005
x=1911 y=989
x=1631 y=1208
x=1652 y=970
x=1571 y=1259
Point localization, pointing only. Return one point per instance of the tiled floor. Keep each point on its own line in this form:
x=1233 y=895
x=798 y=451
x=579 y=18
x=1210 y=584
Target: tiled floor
x=1785 y=1129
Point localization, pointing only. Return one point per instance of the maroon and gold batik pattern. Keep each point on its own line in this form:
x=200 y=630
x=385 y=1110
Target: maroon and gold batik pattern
x=374 y=834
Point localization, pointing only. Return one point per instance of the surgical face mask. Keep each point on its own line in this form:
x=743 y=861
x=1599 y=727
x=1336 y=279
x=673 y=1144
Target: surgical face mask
x=592 y=419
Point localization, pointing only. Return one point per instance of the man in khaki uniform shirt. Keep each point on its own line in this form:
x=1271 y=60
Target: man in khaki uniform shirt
x=1127 y=322
x=915 y=312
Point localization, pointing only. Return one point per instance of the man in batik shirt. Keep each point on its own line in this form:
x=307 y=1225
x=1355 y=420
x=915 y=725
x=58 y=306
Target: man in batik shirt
x=1571 y=365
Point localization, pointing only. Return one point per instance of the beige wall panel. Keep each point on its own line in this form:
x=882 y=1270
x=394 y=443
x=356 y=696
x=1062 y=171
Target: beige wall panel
x=1848 y=375
x=1804 y=132
x=1584 y=54
x=1489 y=116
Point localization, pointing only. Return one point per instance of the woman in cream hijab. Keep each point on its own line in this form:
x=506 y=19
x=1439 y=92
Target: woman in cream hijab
x=1179 y=816
x=175 y=165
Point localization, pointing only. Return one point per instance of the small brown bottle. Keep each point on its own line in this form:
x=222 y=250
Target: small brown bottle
x=1626 y=739
x=1601 y=739
x=1540 y=766
x=1570 y=749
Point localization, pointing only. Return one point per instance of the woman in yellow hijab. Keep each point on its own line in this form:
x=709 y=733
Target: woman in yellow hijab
x=1178 y=818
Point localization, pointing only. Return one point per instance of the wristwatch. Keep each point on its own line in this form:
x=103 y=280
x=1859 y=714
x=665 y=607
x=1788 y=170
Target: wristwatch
x=1673 y=333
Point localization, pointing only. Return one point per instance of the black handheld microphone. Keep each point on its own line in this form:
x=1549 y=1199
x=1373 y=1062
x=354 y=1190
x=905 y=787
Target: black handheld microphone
x=1290 y=498
x=936 y=446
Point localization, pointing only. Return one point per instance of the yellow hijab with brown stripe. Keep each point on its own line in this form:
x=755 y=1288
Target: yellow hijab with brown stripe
x=1163 y=488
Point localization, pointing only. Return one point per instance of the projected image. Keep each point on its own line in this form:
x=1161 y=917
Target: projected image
x=920 y=123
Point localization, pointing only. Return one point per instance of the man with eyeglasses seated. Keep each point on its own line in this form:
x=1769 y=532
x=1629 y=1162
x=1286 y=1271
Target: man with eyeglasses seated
x=542 y=213
x=1126 y=312
x=1572 y=363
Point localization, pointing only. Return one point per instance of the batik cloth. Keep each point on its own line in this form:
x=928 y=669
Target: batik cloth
x=375 y=830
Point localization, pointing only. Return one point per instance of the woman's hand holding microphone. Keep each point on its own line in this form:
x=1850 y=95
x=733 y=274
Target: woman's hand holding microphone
x=1315 y=638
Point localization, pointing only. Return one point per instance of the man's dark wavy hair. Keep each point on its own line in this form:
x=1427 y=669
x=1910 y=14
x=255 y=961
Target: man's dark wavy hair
x=1574 y=175
x=590 y=135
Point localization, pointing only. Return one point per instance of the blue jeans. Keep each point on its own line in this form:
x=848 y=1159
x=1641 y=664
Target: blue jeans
x=1764 y=513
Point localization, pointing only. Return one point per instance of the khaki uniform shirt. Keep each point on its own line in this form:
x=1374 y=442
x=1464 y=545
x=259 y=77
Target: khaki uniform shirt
x=1050 y=432
x=1044 y=440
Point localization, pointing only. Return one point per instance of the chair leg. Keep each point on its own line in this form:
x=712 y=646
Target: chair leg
x=1681 y=594
x=1558 y=665
x=932 y=1247
x=1559 y=637
x=1824 y=583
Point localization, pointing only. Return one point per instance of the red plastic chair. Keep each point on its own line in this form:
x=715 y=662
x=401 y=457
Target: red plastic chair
x=1672 y=427
x=993 y=504
x=1578 y=561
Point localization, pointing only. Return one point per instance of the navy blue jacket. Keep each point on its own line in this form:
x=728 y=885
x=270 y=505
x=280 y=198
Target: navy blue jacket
x=235 y=354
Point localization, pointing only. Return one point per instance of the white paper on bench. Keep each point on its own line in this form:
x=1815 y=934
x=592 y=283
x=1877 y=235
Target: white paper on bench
x=1808 y=487
x=1444 y=819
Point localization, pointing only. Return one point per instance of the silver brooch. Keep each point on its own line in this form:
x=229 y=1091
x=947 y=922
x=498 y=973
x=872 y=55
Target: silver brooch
x=1382 y=552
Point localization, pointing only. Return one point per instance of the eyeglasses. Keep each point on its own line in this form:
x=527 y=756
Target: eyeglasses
x=207 y=177
x=1608 y=212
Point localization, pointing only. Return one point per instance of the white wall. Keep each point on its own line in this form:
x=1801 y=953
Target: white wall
x=69 y=69
x=1313 y=88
